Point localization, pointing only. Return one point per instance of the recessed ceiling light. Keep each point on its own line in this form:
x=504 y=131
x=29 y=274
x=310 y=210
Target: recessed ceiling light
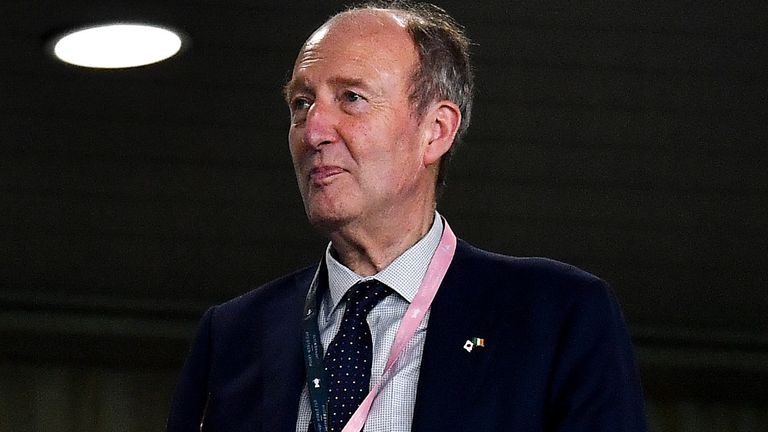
x=112 y=46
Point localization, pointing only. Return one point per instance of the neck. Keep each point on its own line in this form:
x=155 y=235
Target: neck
x=368 y=250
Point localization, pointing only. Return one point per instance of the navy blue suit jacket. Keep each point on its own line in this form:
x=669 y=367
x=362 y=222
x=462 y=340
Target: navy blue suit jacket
x=557 y=356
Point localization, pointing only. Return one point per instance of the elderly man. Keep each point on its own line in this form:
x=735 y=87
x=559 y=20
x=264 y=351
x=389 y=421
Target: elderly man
x=401 y=327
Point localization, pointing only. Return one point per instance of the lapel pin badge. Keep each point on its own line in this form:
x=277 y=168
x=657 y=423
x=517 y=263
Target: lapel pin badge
x=470 y=344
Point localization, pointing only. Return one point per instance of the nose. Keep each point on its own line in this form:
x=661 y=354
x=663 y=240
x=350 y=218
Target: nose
x=320 y=125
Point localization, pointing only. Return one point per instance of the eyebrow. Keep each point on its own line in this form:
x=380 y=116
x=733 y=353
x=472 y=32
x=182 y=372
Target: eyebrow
x=294 y=86
x=349 y=82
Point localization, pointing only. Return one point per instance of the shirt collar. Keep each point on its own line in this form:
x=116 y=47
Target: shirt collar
x=403 y=275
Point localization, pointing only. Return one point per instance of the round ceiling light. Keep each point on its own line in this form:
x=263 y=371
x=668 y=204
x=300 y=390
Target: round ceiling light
x=113 y=46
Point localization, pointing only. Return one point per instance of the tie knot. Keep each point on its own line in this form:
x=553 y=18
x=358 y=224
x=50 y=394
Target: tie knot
x=365 y=295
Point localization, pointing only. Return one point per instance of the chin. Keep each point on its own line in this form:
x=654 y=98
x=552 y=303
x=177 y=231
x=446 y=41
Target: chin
x=328 y=210
x=327 y=225
x=326 y=220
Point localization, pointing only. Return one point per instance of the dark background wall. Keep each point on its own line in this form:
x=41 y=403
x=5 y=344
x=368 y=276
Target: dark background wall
x=627 y=138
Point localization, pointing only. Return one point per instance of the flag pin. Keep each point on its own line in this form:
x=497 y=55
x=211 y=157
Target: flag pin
x=470 y=344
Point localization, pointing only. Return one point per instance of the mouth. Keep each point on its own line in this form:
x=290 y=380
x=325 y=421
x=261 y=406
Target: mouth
x=323 y=175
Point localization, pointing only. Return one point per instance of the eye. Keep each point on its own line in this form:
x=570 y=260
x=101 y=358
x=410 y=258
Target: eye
x=350 y=96
x=299 y=107
x=300 y=104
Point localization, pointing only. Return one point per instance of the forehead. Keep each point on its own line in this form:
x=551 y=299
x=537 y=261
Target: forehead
x=362 y=41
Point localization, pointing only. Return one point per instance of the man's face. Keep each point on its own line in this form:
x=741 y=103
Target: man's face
x=355 y=142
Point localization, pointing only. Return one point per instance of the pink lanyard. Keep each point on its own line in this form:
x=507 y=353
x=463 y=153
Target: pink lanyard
x=412 y=319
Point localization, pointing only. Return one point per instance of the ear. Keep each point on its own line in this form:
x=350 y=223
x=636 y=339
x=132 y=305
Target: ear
x=442 y=123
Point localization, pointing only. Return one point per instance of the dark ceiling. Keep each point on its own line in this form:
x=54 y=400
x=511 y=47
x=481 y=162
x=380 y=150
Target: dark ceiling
x=626 y=138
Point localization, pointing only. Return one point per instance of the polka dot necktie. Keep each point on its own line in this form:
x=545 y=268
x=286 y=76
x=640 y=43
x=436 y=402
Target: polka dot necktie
x=348 y=360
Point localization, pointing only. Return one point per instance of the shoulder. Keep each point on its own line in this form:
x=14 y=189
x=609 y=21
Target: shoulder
x=280 y=295
x=531 y=286
x=540 y=294
x=543 y=273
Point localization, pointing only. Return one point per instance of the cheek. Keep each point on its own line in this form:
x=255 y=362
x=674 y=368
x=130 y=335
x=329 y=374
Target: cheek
x=294 y=143
x=357 y=130
x=383 y=144
x=357 y=145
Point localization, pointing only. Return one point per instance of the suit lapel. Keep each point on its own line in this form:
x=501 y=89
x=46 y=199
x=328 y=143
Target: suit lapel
x=451 y=374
